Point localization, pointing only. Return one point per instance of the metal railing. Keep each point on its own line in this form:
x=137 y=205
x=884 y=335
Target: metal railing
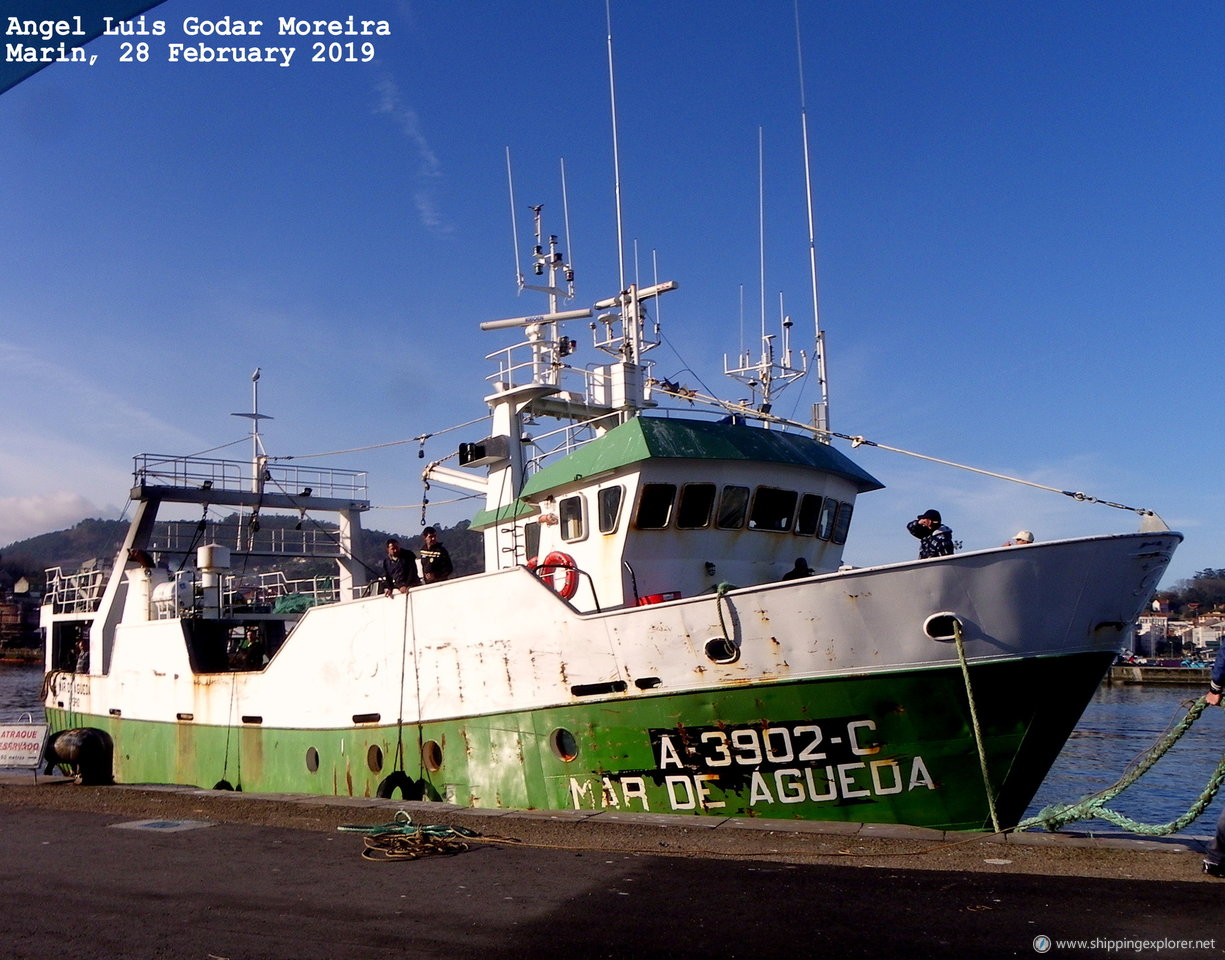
x=290 y=479
x=182 y=536
x=79 y=592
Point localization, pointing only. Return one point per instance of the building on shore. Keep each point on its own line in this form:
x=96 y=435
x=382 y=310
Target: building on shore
x=19 y=611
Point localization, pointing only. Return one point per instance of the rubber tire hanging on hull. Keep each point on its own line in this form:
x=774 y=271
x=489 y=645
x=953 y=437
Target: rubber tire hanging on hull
x=88 y=751
x=409 y=788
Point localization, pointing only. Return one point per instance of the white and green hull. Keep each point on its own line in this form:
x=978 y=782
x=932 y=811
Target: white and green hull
x=823 y=699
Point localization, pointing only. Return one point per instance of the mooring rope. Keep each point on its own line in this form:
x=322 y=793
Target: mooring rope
x=978 y=733
x=1057 y=815
x=401 y=839
x=720 y=593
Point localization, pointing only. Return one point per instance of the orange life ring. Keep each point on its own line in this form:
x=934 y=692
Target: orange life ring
x=549 y=569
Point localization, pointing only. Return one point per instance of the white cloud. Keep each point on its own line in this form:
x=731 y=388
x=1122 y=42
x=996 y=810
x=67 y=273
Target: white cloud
x=74 y=444
x=24 y=517
x=429 y=168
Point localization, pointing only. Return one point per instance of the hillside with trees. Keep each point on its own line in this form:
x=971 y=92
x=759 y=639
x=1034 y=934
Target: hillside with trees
x=1202 y=594
x=101 y=540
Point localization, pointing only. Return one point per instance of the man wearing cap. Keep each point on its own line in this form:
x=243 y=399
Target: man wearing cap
x=1022 y=536
x=935 y=539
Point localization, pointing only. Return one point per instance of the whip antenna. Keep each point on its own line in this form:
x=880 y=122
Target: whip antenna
x=612 y=97
x=514 y=227
x=820 y=412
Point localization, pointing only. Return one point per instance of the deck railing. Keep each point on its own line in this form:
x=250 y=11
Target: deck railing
x=79 y=592
x=290 y=479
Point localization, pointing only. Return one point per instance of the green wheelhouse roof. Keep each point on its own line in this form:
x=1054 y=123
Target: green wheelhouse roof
x=646 y=438
x=511 y=511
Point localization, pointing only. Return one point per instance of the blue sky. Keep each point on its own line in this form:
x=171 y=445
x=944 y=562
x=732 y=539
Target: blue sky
x=1020 y=226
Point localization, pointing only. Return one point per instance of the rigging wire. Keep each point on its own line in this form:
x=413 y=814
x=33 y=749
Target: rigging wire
x=861 y=441
x=334 y=453
x=420 y=438
x=220 y=446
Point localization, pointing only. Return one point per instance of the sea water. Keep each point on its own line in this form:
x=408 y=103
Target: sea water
x=20 y=693
x=1121 y=723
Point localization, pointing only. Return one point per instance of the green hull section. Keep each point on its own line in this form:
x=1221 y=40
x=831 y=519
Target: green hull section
x=883 y=748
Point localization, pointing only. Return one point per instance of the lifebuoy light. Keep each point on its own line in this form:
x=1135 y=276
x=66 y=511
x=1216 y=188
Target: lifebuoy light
x=559 y=571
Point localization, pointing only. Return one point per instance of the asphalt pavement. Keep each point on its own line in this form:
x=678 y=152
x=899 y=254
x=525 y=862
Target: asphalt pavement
x=148 y=873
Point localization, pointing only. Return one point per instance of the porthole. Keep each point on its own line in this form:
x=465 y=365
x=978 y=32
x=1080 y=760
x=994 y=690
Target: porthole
x=565 y=747
x=374 y=758
x=312 y=759
x=431 y=756
x=721 y=650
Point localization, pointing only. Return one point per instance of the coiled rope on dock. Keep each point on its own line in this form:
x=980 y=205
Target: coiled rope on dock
x=401 y=839
x=1058 y=815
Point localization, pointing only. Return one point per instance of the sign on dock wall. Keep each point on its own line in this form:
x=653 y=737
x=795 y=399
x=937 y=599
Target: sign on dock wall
x=21 y=745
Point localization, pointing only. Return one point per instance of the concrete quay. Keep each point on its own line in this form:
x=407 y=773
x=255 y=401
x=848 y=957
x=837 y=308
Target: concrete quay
x=177 y=872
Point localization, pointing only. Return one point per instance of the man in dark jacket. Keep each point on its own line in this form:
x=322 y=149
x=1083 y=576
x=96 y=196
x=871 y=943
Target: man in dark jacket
x=435 y=561
x=399 y=569
x=935 y=539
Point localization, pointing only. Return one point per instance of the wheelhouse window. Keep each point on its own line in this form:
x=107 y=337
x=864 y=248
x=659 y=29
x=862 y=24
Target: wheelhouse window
x=608 y=503
x=733 y=506
x=697 y=502
x=825 y=525
x=570 y=516
x=655 y=505
x=810 y=513
x=531 y=538
x=842 y=522
x=773 y=509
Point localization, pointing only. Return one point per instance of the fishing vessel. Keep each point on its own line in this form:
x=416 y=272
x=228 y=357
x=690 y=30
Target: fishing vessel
x=637 y=641
x=664 y=624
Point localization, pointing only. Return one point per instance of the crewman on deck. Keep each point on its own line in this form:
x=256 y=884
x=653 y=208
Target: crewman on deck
x=399 y=569
x=435 y=561
x=935 y=539
x=800 y=570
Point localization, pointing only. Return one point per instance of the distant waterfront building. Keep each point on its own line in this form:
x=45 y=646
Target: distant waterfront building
x=1152 y=630
x=18 y=617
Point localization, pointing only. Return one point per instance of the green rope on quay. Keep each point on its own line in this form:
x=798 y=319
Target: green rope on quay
x=404 y=840
x=1053 y=817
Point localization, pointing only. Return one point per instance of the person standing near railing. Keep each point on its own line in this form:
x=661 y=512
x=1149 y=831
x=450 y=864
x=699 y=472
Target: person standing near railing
x=399 y=569
x=435 y=561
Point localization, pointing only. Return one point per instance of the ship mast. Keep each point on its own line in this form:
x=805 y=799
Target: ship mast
x=773 y=370
x=259 y=458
